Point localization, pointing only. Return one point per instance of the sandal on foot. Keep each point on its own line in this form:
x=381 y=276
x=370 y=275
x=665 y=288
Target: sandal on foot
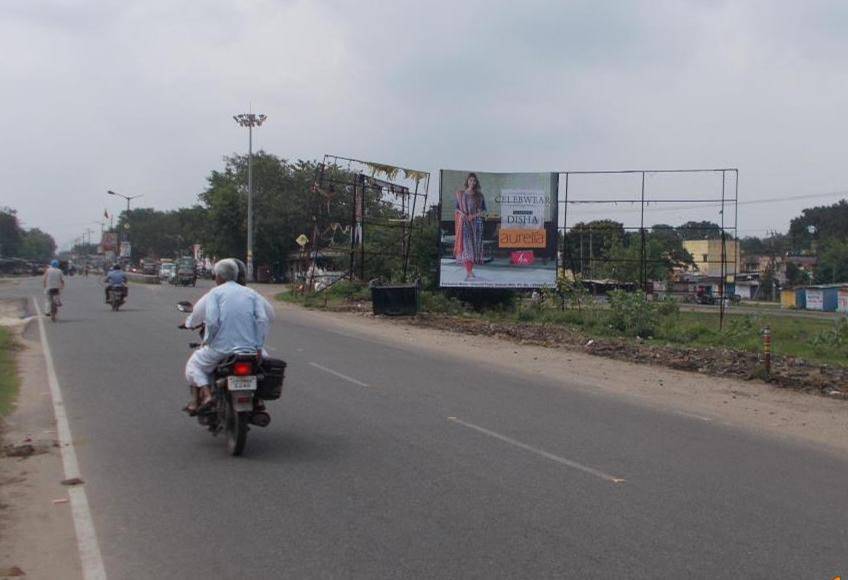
x=206 y=406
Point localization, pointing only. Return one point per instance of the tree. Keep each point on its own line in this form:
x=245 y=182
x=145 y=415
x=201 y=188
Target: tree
x=10 y=233
x=589 y=244
x=163 y=234
x=795 y=276
x=819 y=223
x=833 y=263
x=37 y=246
x=704 y=230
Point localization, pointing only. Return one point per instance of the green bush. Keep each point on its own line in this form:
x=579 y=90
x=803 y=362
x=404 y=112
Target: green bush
x=632 y=314
x=835 y=336
x=441 y=303
x=349 y=290
x=668 y=306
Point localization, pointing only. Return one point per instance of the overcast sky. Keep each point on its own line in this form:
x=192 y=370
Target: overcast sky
x=138 y=96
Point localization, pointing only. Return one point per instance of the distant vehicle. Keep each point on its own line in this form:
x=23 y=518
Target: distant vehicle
x=150 y=266
x=167 y=271
x=117 y=296
x=186 y=272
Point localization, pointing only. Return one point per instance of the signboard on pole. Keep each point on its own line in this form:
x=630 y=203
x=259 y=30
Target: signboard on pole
x=126 y=250
x=109 y=242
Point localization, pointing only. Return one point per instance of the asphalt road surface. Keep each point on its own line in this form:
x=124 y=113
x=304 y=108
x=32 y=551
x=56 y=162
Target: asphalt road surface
x=383 y=462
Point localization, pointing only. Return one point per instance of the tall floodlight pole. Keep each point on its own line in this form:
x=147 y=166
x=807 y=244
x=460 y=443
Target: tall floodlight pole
x=250 y=120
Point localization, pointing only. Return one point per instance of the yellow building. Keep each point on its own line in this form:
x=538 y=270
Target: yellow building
x=707 y=256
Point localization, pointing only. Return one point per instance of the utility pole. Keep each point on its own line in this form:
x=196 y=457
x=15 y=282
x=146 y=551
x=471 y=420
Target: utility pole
x=129 y=198
x=250 y=120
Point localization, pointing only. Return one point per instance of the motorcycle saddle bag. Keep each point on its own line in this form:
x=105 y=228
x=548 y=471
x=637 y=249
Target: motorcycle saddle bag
x=270 y=384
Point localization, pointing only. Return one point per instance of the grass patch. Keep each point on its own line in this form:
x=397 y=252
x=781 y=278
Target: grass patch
x=816 y=340
x=338 y=295
x=820 y=341
x=9 y=380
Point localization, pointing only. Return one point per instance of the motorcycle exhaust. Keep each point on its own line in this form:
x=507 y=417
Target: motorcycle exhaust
x=260 y=418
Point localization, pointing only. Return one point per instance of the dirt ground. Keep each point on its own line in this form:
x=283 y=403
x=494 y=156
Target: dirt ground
x=37 y=534
x=749 y=404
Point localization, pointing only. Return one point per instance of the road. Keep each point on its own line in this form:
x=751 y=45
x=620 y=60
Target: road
x=384 y=462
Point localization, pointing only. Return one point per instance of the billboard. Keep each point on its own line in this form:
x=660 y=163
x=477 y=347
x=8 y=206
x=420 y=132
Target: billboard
x=109 y=242
x=497 y=230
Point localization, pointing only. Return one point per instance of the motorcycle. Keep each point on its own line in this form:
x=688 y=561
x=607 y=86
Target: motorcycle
x=116 y=297
x=242 y=382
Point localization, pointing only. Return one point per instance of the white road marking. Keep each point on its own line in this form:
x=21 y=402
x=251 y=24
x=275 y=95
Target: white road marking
x=692 y=415
x=89 y=550
x=338 y=374
x=545 y=454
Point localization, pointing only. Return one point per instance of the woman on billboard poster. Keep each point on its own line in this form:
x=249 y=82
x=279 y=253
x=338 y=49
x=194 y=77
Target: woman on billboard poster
x=469 y=219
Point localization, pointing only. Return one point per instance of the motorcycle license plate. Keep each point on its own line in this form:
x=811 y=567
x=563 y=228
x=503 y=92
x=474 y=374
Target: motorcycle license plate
x=241 y=383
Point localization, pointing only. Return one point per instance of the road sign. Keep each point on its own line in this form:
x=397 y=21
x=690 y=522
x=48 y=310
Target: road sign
x=302 y=240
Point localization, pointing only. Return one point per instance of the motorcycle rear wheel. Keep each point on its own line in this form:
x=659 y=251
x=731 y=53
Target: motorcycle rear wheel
x=236 y=428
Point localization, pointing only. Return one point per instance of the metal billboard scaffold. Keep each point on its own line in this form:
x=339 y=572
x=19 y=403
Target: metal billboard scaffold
x=632 y=201
x=363 y=215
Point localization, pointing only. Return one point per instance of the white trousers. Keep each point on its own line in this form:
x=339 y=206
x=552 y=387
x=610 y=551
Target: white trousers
x=201 y=365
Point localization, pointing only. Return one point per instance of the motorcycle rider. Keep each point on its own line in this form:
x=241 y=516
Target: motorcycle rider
x=236 y=318
x=53 y=282
x=116 y=279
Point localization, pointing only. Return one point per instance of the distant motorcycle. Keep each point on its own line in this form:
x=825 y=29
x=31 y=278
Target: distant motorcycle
x=117 y=296
x=242 y=382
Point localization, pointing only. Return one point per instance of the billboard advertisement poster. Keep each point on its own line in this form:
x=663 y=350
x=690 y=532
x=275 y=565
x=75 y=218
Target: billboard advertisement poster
x=126 y=250
x=497 y=230
x=109 y=242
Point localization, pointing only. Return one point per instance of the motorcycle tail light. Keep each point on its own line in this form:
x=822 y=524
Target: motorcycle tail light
x=241 y=369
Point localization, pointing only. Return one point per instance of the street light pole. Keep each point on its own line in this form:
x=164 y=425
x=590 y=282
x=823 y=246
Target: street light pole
x=250 y=120
x=126 y=236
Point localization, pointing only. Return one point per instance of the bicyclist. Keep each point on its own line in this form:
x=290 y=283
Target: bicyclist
x=54 y=282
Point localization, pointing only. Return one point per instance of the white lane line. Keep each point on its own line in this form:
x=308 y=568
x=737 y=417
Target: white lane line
x=545 y=454
x=89 y=550
x=693 y=416
x=338 y=374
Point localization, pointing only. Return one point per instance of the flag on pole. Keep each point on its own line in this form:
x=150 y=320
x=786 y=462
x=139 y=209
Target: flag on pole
x=105 y=214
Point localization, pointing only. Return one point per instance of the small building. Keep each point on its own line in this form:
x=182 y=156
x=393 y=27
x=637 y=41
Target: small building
x=842 y=300
x=800 y=298
x=787 y=298
x=707 y=256
x=814 y=299
x=823 y=298
x=746 y=286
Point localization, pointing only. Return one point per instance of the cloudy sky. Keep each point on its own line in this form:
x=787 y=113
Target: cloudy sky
x=138 y=96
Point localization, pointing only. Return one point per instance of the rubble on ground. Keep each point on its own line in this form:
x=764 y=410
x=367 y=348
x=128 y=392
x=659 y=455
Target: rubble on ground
x=786 y=372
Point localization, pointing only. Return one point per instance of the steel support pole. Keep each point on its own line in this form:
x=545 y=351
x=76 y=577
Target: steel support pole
x=250 y=203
